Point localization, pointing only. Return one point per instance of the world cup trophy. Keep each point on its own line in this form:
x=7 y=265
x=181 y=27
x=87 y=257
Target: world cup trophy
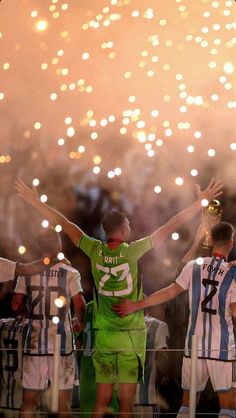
x=211 y=215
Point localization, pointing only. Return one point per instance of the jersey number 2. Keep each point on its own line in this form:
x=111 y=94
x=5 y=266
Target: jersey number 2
x=208 y=298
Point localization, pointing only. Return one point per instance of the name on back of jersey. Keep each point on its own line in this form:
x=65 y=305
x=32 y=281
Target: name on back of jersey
x=212 y=269
x=110 y=260
x=53 y=273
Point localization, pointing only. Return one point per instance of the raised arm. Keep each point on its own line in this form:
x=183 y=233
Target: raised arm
x=18 y=304
x=52 y=215
x=127 y=307
x=191 y=253
x=37 y=266
x=213 y=190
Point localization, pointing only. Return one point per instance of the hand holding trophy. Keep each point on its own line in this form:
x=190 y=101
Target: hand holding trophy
x=211 y=215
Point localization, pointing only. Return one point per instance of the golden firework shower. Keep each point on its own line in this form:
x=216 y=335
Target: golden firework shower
x=132 y=99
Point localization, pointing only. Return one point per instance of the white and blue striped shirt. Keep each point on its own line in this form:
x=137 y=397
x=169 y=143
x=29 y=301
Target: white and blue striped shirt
x=12 y=336
x=157 y=335
x=212 y=290
x=41 y=291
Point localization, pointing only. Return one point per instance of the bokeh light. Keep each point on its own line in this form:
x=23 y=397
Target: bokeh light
x=55 y=320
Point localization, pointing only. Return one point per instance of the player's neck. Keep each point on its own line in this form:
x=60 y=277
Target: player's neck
x=220 y=253
x=114 y=242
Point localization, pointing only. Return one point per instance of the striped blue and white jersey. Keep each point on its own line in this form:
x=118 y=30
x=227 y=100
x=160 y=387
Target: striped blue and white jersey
x=7 y=270
x=212 y=290
x=157 y=335
x=12 y=336
x=41 y=291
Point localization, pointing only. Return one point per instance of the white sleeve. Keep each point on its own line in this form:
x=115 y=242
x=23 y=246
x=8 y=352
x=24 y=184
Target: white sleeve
x=185 y=276
x=21 y=285
x=7 y=270
x=233 y=292
x=75 y=283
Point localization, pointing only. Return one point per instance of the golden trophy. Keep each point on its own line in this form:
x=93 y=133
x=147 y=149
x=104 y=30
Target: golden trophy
x=211 y=215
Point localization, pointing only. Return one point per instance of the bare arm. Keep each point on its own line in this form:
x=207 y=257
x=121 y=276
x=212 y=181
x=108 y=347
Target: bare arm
x=52 y=215
x=127 y=307
x=191 y=253
x=37 y=266
x=213 y=190
x=18 y=303
x=233 y=310
x=79 y=306
x=195 y=250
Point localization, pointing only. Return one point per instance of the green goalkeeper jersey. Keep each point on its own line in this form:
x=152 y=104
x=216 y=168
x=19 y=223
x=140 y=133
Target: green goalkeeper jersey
x=115 y=275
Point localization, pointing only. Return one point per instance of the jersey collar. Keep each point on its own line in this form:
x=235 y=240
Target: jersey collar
x=113 y=243
x=219 y=255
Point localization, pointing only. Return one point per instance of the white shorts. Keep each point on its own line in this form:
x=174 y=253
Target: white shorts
x=220 y=373
x=38 y=372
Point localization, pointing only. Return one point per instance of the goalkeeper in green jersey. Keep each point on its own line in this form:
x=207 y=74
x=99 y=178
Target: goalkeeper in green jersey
x=87 y=381
x=119 y=342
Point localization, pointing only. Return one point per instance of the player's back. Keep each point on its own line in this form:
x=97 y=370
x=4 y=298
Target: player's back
x=45 y=317
x=12 y=335
x=212 y=289
x=115 y=275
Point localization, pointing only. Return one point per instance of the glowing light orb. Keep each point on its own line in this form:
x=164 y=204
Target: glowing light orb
x=21 y=249
x=60 y=256
x=60 y=302
x=68 y=120
x=34 y=13
x=58 y=228
x=110 y=174
x=46 y=261
x=211 y=152
x=96 y=169
x=204 y=203
x=179 y=181
x=70 y=131
x=37 y=125
x=194 y=172
x=197 y=134
x=35 y=182
x=228 y=67
x=175 y=236
x=45 y=223
x=43 y=198
x=41 y=25
x=61 y=142
x=117 y=171
x=53 y=96
x=199 y=261
x=55 y=320
x=157 y=189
